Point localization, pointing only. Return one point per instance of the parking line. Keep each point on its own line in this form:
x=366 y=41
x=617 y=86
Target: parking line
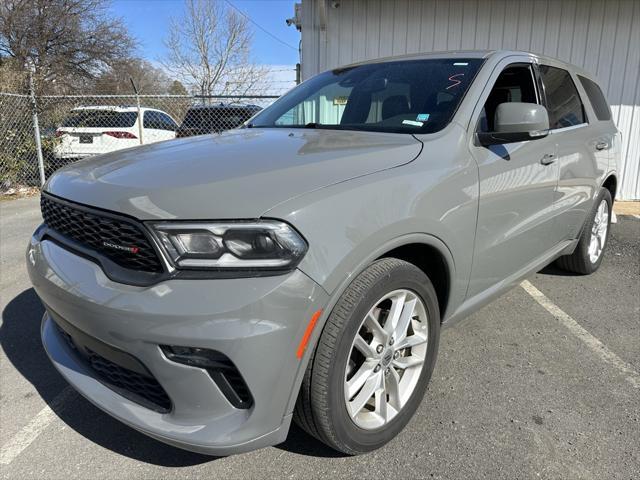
x=595 y=345
x=34 y=428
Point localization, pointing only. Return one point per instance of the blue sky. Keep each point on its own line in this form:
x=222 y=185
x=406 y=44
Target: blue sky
x=148 y=21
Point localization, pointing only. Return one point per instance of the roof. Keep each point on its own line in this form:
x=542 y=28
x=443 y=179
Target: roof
x=223 y=105
x=112 y=108
x=473 y=54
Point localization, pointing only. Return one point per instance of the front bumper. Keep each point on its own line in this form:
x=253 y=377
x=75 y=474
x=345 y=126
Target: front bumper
x=256 y=322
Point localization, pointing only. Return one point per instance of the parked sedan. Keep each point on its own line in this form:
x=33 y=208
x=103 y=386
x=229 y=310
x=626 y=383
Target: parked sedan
x=95 y=130
x=211 y=290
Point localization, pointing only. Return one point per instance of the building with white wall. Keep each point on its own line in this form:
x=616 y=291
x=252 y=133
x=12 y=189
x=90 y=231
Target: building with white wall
x=601 y=36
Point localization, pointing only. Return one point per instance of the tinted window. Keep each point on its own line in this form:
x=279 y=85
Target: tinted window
x=563 y=102
x=167 y=122
x=514 y=84
x=158 y=121
x=217 y=118
x=149 y=120
x=413 y=96
x=101 y=119
x=596 y=97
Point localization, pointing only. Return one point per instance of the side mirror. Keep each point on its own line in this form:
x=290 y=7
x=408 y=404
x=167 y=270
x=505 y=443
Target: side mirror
x=517 y=122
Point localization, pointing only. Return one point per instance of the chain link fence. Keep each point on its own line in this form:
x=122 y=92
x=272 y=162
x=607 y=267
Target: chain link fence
x=70 y=128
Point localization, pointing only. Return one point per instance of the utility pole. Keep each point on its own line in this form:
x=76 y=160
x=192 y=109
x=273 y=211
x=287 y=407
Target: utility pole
x=139 y=111
x=34 y=113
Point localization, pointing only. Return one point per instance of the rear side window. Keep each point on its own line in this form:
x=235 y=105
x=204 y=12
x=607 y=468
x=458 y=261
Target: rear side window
x=167 y=122
x=563 y=102
x=158 y=121
x=596 y=97
x=101 y=119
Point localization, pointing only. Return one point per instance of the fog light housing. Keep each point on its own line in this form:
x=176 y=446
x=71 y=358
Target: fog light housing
x=219 y=367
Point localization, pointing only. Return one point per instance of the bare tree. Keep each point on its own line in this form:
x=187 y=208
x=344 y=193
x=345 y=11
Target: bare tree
x=69 y=41
x=13 y=76
x=209 y=48
x=117 y=80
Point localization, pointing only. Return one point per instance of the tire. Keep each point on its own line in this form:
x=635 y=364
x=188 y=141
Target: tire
x=322 y=406
x=582 y=261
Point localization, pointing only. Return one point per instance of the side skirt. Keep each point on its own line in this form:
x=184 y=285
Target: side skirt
x=478 y=301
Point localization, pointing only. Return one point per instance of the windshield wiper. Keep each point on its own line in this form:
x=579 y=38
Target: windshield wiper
x=311 y=125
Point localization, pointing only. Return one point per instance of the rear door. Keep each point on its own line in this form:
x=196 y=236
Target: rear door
x=517 y=185
x=582 y=143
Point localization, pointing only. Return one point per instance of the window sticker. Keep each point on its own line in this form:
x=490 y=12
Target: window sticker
x=340 y=100
x=412 y=123
x=422 y=117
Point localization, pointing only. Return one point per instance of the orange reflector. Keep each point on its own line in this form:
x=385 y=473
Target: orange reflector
x=307 y=333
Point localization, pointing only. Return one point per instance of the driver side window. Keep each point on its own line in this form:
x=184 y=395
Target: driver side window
x=514 y=84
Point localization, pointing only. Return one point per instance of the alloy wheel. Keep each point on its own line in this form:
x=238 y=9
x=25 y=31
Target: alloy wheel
x=599 y=231
x=386 y=359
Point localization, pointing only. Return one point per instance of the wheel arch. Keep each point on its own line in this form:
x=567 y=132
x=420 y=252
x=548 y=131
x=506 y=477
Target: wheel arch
x=414 y=248
x=432 y=262
x=611 y=184
x=427 y=252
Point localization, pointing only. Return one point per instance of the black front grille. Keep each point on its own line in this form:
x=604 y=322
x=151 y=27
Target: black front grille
x=120 y=240
x=139 y=388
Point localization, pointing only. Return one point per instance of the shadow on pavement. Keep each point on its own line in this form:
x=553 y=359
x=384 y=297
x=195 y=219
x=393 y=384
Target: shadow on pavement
x=301 y=443
x=20 y=340
x=556 y=271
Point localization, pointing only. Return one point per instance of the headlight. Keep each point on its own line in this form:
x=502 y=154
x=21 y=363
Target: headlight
x=263 y=245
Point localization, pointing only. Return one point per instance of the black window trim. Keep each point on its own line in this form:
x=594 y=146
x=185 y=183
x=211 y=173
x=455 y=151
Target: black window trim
x=586 y=122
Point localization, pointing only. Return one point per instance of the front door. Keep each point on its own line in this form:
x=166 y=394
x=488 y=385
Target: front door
x=517 y=185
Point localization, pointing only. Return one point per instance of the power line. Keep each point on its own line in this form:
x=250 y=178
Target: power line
x=260 y=26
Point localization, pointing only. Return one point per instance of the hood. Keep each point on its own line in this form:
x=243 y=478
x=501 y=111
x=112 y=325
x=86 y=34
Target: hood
x=237 y=174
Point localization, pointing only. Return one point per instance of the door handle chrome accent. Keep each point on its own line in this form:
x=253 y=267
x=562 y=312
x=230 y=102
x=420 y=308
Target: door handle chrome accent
x=548 y=159
x=601 y=145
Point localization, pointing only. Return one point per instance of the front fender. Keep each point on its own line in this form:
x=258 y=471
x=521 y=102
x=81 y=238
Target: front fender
x=360 y=265
x=350 y=223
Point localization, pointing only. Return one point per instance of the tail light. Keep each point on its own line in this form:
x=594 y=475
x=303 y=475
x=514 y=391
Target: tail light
x=59 y=133
x=120 y=134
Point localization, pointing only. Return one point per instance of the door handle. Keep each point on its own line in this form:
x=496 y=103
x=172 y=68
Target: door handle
x=601 y=145
x=548 y=159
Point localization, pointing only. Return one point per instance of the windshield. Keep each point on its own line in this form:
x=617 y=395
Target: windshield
x=412 y=96
x=101 y=119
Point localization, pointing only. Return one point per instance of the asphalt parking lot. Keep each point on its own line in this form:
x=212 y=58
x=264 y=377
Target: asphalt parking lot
x=542 y=383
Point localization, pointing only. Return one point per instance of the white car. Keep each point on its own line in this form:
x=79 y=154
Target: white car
x=101 y=129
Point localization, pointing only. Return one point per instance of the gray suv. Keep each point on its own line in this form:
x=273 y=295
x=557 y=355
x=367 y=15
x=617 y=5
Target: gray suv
x=208 y=291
